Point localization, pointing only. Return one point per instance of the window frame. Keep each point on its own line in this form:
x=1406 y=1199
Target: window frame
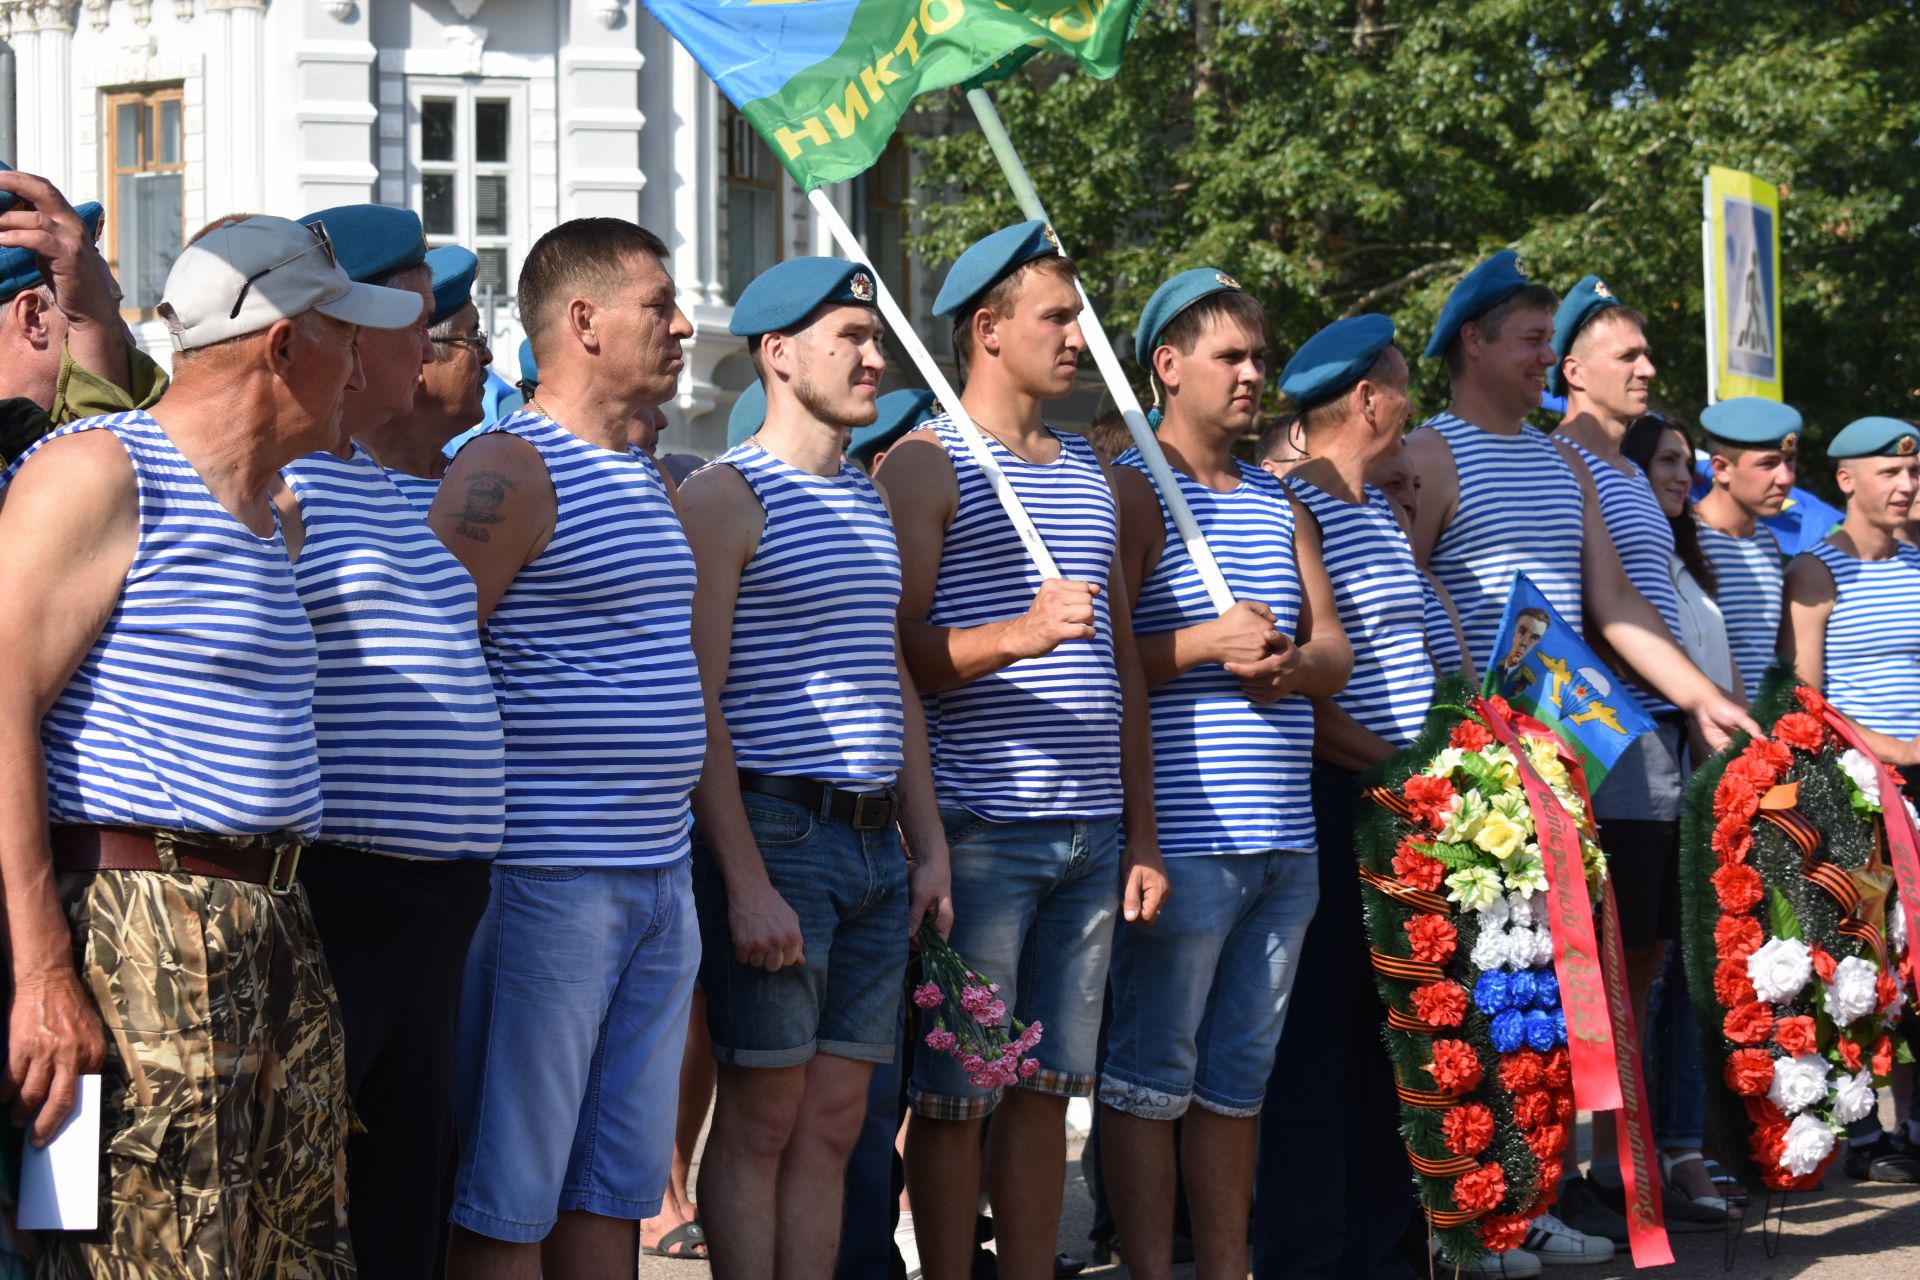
x=739 y=140
x=151 y=97
x=466 y=92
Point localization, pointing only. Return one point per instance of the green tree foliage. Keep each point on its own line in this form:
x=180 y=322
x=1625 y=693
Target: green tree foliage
x=1340 y=156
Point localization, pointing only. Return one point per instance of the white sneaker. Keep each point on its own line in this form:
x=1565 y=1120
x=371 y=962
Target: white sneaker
x=1557 y=1243
x=1515 y=1264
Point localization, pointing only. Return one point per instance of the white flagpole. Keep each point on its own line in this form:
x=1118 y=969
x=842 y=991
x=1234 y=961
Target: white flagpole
x=1109 y=365
x=898 y=326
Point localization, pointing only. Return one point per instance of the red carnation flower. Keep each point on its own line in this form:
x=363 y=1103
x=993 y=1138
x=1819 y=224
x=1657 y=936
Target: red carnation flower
x=1470 y=736
x=1522 y=1071
x=1775 y=757
x=1563 y=1106
x=1885 y=990
x=1736 y=937
x=1432 y=938
x=1795 y=1036
x=1811 y=699
x=1731 y=985
x=1503 y=1232
x=1558 y=1069
x=1532 y=1109
x=1749 y=1072
x=1734 y=800
x=1798 y=729
x=1732 y=841
x=1750 y=1023
x=1850 y=1055
x=1467 y=1129
x=1547 y=1141
x=1430 y=796
x=1455 y=1066
x=1823 y=963
x=1416 y=868
x=1480 y=1190
x=1882 y=1056
x=1762 y=1112
x=1738 y=887
x=1551 y=1170
x=1440 y=1004
x=1767 y=1143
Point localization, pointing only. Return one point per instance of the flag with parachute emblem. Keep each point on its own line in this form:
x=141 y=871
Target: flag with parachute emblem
x=826 y=81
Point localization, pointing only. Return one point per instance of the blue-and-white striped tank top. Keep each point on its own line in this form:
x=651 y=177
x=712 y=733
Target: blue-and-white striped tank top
x=1382 y=596
x=1643 y=536
x=591 y=651
x=1752 y=583
x=1873 y=638
x=1229 y=774
x=813 y=688
x=411 y=757
x=1443 y=642
x=193 y=710
x=417 y=490
x=1520 y=510
x=1039 y=738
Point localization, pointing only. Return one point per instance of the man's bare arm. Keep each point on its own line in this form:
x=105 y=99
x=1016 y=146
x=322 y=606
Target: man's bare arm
x=495 y=511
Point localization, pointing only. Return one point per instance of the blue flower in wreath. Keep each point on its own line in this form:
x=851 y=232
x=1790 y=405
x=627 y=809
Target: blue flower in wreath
x=1541 y=1031
x=1491 y=994
x=1520 y=989
x=1508 y=1031
x=1560 y=1025
x=1546 y=989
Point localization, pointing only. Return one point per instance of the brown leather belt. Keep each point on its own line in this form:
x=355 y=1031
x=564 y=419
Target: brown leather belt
x=86 y=849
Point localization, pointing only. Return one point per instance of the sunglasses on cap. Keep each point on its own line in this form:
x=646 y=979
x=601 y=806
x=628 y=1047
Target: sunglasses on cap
x=320 y=242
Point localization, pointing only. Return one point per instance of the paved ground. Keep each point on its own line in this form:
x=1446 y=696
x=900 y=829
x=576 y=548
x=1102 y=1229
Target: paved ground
x=1844 y=1231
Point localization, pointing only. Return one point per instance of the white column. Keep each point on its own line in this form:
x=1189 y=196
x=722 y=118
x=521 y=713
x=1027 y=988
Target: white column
x=53 y=101
x=246 y=99
x=218 y=104
x=696 y=200
x=22 y=35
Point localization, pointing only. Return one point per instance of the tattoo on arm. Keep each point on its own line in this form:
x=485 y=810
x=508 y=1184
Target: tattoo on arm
x=485 y=492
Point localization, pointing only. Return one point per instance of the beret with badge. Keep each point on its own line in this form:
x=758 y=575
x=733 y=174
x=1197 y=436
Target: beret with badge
x=1583 y=302
x=897 y=413
x=1752 y=422
x=1169 y=300
x=454 y=267
x=785 y=294
x=1479 y=291
x=1875 y=437
x=372 y=240
x=988 y=261
x=1334 y=359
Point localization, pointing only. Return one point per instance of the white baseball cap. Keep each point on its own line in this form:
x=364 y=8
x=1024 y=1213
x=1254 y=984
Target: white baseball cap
x=245 y=274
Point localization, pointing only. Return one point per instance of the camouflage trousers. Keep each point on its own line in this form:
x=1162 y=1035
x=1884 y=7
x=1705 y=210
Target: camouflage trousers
x=225 y=1110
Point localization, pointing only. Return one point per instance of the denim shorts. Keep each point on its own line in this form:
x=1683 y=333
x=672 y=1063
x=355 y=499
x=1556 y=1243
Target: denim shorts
x=849 y=889
x=573 y=1018
x=1033 y=909
x=1199 y=996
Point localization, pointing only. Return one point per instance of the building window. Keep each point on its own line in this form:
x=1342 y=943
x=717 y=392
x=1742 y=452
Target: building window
x=755 y=190
x=469 y=157
x=146 y=165
x=880 y=211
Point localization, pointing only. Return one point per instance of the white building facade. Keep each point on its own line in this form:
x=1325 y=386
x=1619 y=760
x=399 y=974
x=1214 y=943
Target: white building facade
x=493 y=119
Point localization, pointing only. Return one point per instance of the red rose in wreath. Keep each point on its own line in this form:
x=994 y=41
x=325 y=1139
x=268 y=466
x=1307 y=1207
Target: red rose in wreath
x=1738 y=887
x=1823 y=963
x=1750 y=1023
x=1467 y=1130
x=1882 y=1056
x=1480 y=1190
x=1432 y=938
x=1795 y=1036
x=1749 y=1072
x=1849 y=1054
x=1736 y=937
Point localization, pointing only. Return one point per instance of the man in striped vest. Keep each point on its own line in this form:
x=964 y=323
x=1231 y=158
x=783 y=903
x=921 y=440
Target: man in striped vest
x=1350 y=383
x=399 y=875
x=1035 y=713
x=574 y=1010
x=1754 y=446
x=158 y=714
x=1233 y=751
x=1853 y=617
x=816 y=748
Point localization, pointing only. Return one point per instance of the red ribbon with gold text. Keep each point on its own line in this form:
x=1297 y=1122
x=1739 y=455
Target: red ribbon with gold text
x=1903 y=844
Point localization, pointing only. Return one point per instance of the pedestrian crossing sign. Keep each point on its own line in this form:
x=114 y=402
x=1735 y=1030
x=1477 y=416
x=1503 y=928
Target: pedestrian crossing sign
x=1741 y=234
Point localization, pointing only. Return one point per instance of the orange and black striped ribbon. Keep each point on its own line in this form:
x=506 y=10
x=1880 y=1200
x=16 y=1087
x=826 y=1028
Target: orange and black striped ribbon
x=1407 y=970
x=1407 y=1022
x=1836 y=883
x=1449 y=1167
x=1445 y=1218
x=1392 y=801
x=1418 y=899
x=1423 y=1098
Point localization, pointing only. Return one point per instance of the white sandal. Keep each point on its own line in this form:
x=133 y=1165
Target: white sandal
x=1671 y=1161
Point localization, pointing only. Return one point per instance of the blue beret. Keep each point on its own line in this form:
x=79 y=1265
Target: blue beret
x=453 y=269
x=899 y=413
x=786 y=293
x=20 y=269
x=1752 y=423
x=1335 y=358
x=1588 y=298
x=1479 y=291
x=1169 y=300
x=1875 y=437
x=990 y=260
x=749 y=413
x=7 y=198
x=529 y=369
x=371 y=240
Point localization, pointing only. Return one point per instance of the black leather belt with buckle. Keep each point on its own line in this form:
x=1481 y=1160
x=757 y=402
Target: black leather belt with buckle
x=861 y=810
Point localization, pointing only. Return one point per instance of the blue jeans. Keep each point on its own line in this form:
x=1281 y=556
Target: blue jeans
x=573 y=1017
x=870 y=1207
x=1033 y=909
x=1673 y=1046
x=1200 y=994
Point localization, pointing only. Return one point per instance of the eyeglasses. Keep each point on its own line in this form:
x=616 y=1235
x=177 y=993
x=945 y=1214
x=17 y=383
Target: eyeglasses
x=320 y=241
x=478 y=341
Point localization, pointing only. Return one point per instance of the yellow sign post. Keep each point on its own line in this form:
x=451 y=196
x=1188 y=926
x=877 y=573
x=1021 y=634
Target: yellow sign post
x=1740 y=248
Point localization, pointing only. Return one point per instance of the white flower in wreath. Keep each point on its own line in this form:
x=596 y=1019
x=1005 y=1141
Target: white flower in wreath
x=1490 y=948
x=1497 y=914
x=1780 y=969
x=1864 y=774
x=1520 y=910
x=1850 y=995
x=1465 y=812
x=1853 y=1097
x=1532 y=947
x=1527 y=876
x=1809 y=1140
x=1445 y=764
x=1474 y=887
x=1896 y=927
x=1798 y=1083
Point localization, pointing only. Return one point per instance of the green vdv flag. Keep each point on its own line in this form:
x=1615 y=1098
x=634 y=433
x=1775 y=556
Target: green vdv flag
x=826 y=81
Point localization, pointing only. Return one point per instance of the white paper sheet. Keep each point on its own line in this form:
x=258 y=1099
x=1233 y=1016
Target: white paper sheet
x=60 y=1182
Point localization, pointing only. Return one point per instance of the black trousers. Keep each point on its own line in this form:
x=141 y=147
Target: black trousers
x=1333 y=1192
x=395 y=932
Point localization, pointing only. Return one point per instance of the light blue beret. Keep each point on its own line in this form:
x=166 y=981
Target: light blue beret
x=1875 y=437
x=529 y=368
x=370 y=240
x=1169 y=300
x=748 y=414
x=786 y=293
x=453 y=270
x=1752 y=422
x=7 y=198
x=990 y=260
x=1335 y=358
x=1585 y=301
x=899 y=413
x=20 y=269
x=1479 y=291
